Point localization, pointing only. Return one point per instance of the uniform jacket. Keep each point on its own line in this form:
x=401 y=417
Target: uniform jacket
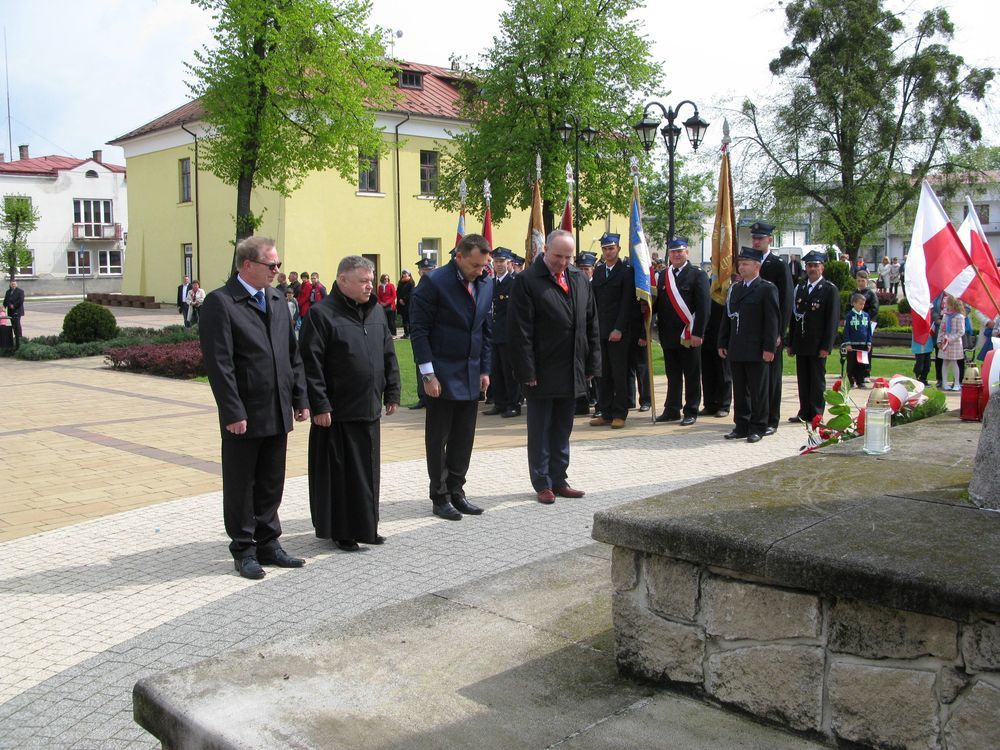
x=775 y=270
x=349 y=359
x=452 y=331
x=750 y=325
x=692 y=283
x=13 y=302
x=252 y=360
x=553 y=337
x=501 y=301
x=814 y=319
x=614 y=293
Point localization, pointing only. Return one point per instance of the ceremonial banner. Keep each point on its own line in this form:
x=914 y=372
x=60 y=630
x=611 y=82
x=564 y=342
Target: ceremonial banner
x=974 y=238
x=461 y=226
x=638 y=251
x=534 y=243
x=488 y=226
x=567 y=217
x=723 y=233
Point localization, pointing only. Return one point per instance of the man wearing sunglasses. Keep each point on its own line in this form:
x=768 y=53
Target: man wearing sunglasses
x=256 y=374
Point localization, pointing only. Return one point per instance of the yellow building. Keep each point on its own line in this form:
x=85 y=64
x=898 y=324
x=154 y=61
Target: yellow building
x=181 y=217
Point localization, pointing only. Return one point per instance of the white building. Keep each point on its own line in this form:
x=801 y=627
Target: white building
x=79 y=244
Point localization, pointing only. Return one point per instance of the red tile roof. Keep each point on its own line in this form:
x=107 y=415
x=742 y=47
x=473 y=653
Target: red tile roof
x=438 y=98
x=48 y=166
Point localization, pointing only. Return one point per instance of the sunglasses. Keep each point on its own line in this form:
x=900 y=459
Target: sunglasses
x=272 y=266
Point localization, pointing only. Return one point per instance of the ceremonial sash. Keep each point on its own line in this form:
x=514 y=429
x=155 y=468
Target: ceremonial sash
x=680 y=307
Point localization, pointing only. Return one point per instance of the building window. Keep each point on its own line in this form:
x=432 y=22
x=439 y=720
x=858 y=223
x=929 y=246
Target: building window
x=91 y=174
x=78 y=263
x=109 y=262
x=28 y=270
x=187 y=251
x=410 y=80
x=91 y=215
x=368 y=174
x=428 y=172
x=982 y=211
x=185 y=184
x=430 y=247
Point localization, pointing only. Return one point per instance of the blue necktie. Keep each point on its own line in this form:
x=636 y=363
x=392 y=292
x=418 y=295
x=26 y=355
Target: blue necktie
x=259 y=296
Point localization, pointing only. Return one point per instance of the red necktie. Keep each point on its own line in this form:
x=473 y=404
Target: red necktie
x=563 y=284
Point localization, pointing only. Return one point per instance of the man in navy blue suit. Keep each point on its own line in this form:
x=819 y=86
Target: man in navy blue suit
x=451 y=334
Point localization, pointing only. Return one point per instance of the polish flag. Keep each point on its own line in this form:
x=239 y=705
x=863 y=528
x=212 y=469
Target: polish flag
x=938 y=262
x=974 y=238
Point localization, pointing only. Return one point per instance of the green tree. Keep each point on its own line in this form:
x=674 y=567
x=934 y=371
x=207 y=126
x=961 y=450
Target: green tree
x=18 y=220
x=871 y=109
x=694 y=193
x=551 y=60
x=290 y=87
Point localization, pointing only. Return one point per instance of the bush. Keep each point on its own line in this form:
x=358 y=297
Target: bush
x=181 y=360
x=886 y=298
x=903 y=305
x=55 y=347
x=89 y=322
x=845 y=302
x=839 y=273
x=887 y=319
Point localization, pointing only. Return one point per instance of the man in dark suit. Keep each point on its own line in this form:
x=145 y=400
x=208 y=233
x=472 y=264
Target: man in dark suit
x=613 y=287
x=256 y=374
x=503 y=384
x=13 y=303
x=682 y=307
x=424 y=267
x=810 y=339
x=451 y=334
x=182 y=291
x=748 y=340
x=795 y=269
x=775 y=270
x=555 y=347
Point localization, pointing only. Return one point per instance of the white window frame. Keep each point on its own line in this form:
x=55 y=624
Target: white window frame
x=427 y=175
x=93 y=209
x=104 y=265
x=73 y=267
x=185 y=179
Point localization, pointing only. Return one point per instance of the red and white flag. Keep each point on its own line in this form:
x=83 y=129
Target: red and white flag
x=974 y=238
x=938 y=262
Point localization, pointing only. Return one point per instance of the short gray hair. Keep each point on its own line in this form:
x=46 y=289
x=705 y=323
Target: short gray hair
x=251 y=248
x=352 y=262
x=558 y=233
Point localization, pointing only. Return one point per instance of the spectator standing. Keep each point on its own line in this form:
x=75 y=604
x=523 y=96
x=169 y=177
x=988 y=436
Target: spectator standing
x=404 y=289
x=858 y=338
x=951 y=346
x=282 y=284
x=182 y=291
x=884 y=269
x=387 y=300
x=293 y=283
x=895 y=274
x=13 y=304
x=195 y=298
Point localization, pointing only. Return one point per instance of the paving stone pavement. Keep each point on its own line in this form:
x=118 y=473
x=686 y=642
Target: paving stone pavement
x=89 y=608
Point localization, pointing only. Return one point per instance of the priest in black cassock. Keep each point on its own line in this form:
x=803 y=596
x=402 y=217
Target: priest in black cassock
x=351 y=372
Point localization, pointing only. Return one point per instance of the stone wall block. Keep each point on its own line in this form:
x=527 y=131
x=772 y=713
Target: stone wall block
x=950 y=683
x=981 y=646
x=883 y=706
x=735 y=609
x=672 y=586
x=876 y=632
x=654 y=648
x=974 y=723
x=780 y=683
x=624 y=568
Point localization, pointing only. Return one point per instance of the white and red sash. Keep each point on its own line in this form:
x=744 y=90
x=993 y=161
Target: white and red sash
x=679 y=305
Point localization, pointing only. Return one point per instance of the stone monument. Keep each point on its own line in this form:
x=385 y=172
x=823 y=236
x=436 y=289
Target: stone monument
x=984 y=489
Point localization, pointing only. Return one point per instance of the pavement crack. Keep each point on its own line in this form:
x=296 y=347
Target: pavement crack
x=632 y=707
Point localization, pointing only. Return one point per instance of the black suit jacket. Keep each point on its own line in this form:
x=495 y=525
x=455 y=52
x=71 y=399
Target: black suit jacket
x=614 y=294
x=692 y=283
x=775 y=270
x=501 y=301
x=182 y=291
x=750 y=324
x=814 y=320
x=13 y=302
x=252 y=360
x=553 y=337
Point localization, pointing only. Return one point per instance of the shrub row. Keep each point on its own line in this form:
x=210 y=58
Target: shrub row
x=56 y=347
x=181 y=360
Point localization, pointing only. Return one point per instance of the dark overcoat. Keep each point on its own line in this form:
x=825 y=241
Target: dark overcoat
x=553 y=338
x=252 y=361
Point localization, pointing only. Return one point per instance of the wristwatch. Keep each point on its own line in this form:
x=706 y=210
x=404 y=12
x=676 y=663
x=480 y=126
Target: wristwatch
x=428 y=377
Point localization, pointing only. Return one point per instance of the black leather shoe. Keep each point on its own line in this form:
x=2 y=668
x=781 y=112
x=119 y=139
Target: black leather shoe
x=280 y=558
x=447 y=511
x=379 y=539
x=706 y=412
x=462 y=505
x=722 y=413
x=511 y=413
x=248 y=567
x=492 y=412
x=687 y=421
x=770 y=431
x=795 y=419
x=734 y=435
x=753 y=437
x=664 y=417
x=348 y=545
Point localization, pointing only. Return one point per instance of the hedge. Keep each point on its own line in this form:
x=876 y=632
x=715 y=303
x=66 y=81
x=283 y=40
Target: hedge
x=56 y=347
x=181 y=360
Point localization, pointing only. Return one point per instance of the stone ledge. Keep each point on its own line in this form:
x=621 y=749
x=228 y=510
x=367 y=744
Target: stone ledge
x=806 y=522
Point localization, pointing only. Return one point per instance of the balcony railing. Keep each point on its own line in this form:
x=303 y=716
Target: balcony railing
x=97 y=231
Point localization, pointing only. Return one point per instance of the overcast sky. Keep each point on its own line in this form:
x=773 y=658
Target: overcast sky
x=81 y=74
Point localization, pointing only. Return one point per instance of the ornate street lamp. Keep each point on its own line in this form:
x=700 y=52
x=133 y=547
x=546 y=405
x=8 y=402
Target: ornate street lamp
x=569 y=131
x=646 y=128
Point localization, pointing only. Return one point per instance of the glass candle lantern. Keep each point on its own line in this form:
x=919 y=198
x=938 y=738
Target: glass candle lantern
x=972 y=386
x=878 y=420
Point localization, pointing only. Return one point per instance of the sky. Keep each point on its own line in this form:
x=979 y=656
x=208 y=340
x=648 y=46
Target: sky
x=81 y=74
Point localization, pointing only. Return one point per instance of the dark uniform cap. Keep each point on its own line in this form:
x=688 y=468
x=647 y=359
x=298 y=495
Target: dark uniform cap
x=503 y=253
x=748 y=253
x=814 y=256
x=426 y=263
x=609 y=238
x=516 y=259
x=586 y=260
x=677 y=242
x=761 y=229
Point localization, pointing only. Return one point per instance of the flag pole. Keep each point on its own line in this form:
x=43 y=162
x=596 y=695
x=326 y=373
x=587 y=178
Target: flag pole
x=648 y=314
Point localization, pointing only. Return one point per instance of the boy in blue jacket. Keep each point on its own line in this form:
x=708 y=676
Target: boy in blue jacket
x=858 y=338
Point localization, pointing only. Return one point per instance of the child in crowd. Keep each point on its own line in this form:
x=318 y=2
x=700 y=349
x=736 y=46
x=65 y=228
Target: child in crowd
x=293 y=309
x=922 y=356
x=951 y=348
x=858 y=338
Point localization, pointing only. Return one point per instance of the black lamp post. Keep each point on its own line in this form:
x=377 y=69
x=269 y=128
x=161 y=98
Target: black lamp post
x=694 y=125
x=572 y=129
